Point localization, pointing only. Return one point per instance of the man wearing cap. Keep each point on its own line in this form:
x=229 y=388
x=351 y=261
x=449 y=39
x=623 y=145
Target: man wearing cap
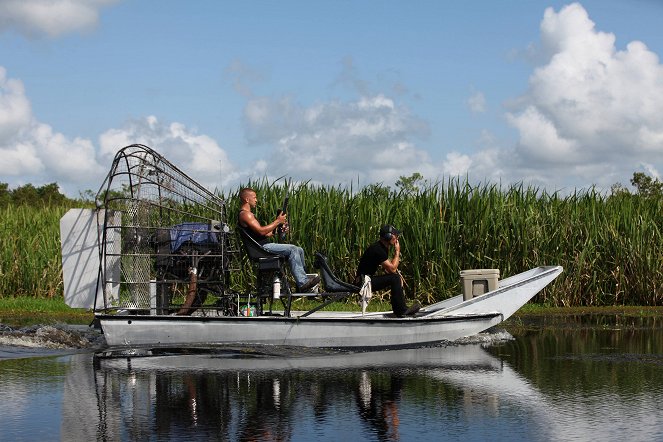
x=377 y=255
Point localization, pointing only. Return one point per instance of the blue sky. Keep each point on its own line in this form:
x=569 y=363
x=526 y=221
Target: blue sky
x=555 y=94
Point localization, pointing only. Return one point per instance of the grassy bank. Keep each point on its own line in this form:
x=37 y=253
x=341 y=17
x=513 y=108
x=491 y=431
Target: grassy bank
x=630 y=311
x=25 y=311
x=611 y=247
x=21 y=312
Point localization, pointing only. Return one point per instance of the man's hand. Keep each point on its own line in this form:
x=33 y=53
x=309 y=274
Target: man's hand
x=391 y=266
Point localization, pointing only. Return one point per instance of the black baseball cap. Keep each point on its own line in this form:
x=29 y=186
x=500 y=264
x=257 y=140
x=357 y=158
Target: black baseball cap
x=388 y=229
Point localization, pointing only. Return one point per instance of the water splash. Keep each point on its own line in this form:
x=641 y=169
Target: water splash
x=51 y=336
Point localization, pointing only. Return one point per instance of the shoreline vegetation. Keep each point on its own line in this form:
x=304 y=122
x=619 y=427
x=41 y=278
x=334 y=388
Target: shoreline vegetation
x=25 y=312
x=610 y=245
x=26 y=334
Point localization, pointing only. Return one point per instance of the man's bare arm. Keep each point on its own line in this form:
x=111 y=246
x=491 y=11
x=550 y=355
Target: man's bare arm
x=391 y=266
x=249 y=220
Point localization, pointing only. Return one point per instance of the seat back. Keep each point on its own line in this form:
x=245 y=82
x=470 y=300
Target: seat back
x=266 y=265
x=331 y=282
x=254 y=250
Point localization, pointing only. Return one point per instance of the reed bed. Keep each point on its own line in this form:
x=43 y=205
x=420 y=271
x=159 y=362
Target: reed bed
x=30 y=261
x=611 y=247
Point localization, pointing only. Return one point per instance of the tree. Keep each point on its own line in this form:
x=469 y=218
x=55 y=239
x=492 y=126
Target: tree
x=50 y=194
x=646 y=185
x=410 y=184
x=25 y=195
x=29 y=195
x=5 y=195
x=618 y=189
x=87 y=195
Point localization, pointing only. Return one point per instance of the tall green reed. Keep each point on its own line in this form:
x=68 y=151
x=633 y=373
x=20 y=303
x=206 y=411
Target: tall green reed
x=611 y=247
x=30 y=260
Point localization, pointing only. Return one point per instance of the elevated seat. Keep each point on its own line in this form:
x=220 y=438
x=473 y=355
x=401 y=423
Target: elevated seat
x=263 y=258
x=267 y=265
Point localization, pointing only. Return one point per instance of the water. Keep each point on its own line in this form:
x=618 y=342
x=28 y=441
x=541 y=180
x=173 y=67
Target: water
x=561 y=379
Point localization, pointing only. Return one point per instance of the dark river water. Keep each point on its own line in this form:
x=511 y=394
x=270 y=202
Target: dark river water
x=585 y=379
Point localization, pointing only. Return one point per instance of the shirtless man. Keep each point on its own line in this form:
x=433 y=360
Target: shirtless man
x=262 y=235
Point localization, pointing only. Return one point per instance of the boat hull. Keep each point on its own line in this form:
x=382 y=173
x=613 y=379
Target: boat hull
x=342 y=332
x=445 y=321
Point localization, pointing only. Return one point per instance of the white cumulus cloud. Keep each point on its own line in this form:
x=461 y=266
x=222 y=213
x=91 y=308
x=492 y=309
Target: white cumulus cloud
x=371 y=138
x=31 y=152
x=15 y=110
x=456 y=164
x=591 y=113
x=50 y=17
x=477 y=103
x=199 y=156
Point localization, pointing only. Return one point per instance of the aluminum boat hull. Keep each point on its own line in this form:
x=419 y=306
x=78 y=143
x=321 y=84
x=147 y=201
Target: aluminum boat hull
x=448 y=320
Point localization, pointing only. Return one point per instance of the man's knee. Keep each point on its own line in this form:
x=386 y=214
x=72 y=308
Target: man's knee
x=293 y=248
x=393 y=282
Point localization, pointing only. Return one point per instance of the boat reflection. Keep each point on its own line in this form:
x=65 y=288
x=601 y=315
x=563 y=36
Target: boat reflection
x=258 y=394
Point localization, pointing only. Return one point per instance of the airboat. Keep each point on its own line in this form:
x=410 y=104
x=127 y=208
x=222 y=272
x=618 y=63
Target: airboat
x=154 y=260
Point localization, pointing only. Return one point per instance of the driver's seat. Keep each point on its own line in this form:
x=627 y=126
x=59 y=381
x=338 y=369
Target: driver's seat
x=267 y=265
x=263 y=258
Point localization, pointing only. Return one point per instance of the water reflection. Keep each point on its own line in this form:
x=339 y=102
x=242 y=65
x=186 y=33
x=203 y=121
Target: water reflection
x=379 y=407
x=260 y=396
x=563 y=383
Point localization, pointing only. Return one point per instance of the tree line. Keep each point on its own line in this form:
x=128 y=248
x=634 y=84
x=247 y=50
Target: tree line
x=50 y=195
x=29 y=195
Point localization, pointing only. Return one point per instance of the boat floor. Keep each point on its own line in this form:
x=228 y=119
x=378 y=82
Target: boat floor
x=318 y=314
x=298 y=314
